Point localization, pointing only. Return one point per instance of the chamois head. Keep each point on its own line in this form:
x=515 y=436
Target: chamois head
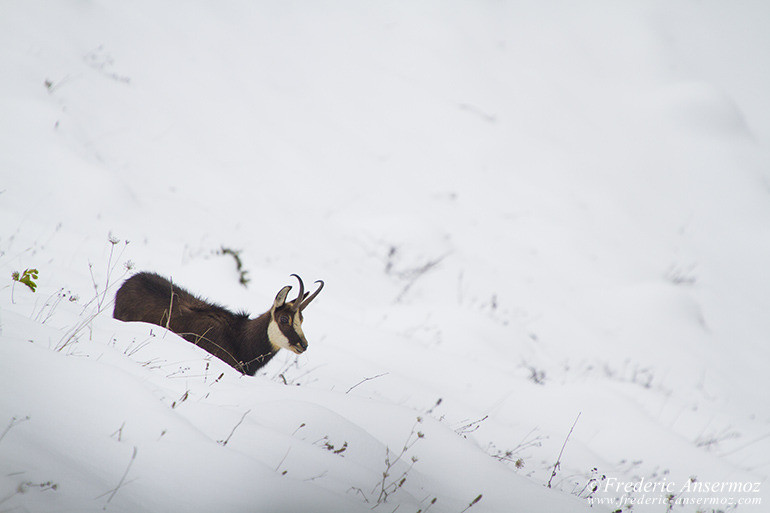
x=284 y=329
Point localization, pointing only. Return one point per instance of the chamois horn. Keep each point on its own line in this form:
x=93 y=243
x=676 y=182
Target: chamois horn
x=312 y=297
x=297 y=302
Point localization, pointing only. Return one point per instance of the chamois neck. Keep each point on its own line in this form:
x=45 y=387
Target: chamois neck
x=256 y=349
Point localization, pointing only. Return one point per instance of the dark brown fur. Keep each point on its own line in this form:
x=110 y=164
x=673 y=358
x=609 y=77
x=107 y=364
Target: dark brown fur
x=233 y=338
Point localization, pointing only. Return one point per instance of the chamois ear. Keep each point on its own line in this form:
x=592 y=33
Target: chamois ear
x=280 y=298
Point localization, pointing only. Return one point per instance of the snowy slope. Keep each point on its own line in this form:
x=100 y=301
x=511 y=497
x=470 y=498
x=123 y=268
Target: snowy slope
x=523 y=212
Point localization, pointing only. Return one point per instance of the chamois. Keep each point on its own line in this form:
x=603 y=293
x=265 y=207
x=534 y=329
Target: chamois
x=243 y=343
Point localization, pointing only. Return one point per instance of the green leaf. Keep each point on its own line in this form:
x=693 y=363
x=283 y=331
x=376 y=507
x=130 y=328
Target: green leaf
x=28 y=278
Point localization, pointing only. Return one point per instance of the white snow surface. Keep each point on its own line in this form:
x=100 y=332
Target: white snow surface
x=529 y=215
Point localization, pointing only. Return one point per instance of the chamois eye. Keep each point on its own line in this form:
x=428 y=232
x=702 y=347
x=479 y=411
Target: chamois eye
x=284 y=319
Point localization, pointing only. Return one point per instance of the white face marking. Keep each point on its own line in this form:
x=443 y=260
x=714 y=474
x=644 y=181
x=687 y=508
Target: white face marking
x=277 y=339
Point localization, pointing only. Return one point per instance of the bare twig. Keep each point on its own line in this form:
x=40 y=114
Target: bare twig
x=119 y=432
x=184 y=397
x=319 y=476
x=360 y=492
x=120 y=483
x=13 y=423
x=131 y=349
x=430 y=505
x=412 y=275
x=365 y=380
x=386 y=487
x=741 y=447
x=282 y=460
x=557 y=465
x=171 y=306
x=224 y=442
x=99 y=302
x=25 y=486
x=473 y=503
x=470 y=427
x=51 y=302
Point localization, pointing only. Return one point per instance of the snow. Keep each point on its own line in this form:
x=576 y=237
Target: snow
x=524 y=212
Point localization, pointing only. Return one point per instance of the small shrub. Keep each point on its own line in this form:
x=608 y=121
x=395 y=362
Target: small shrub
x=243 y=274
